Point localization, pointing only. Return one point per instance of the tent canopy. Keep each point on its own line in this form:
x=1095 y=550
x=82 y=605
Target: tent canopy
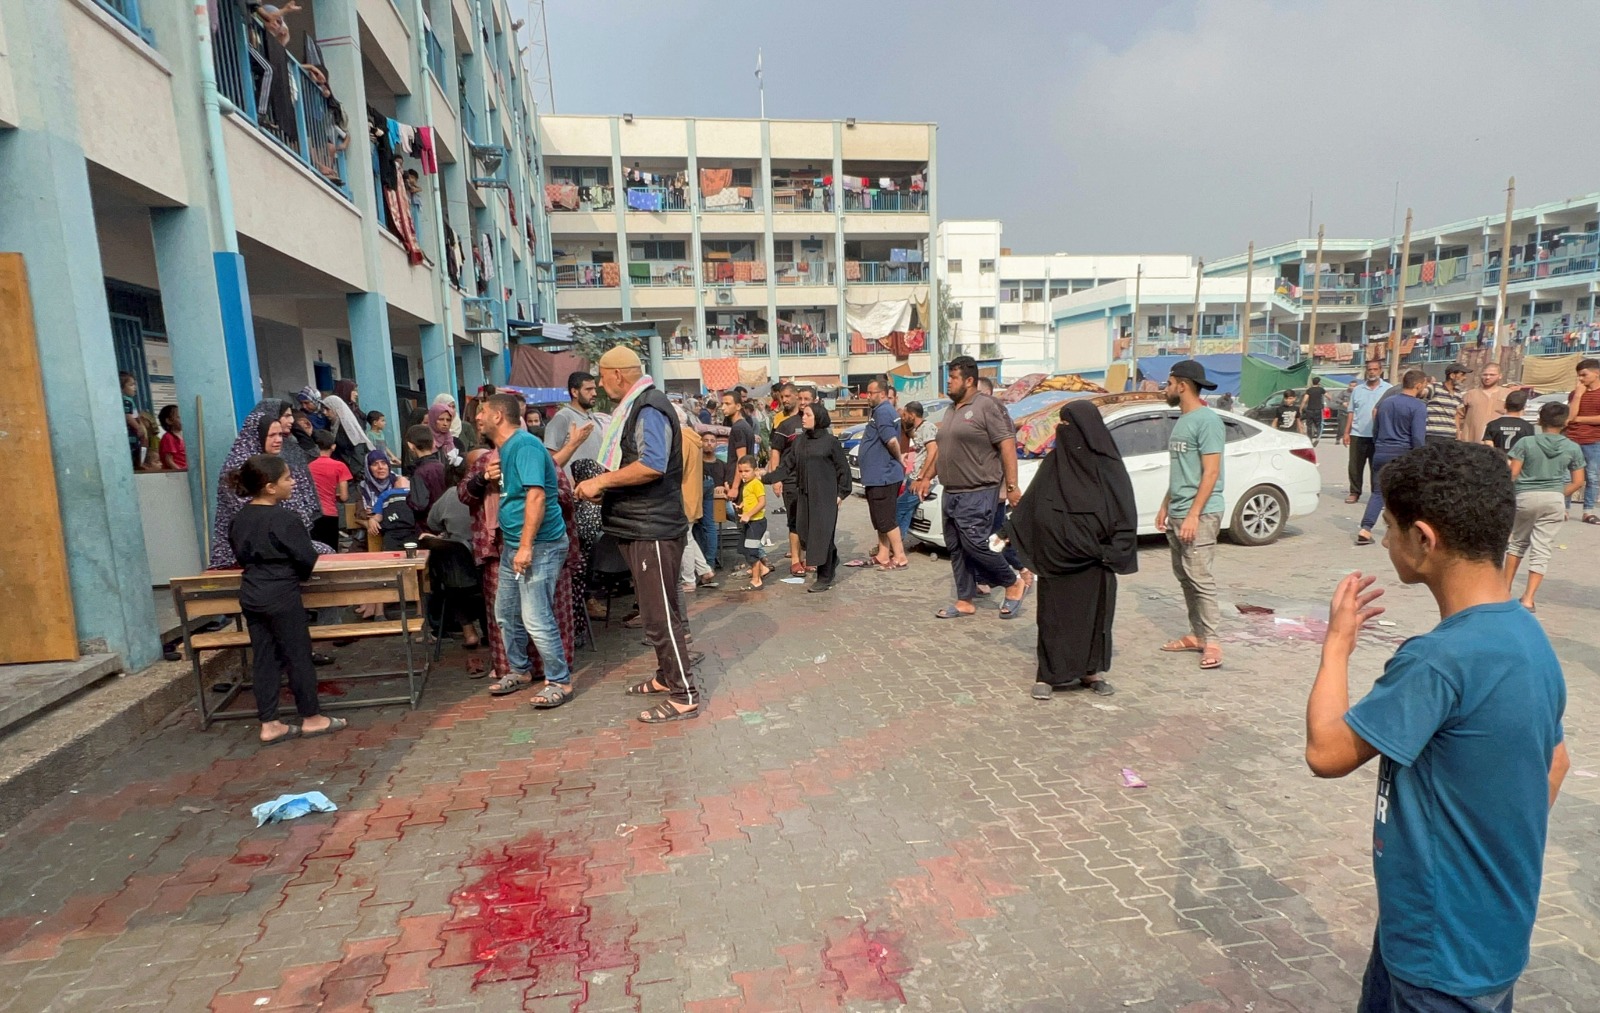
x=1259 y=378
x=1551 y=374
x=1223 y=370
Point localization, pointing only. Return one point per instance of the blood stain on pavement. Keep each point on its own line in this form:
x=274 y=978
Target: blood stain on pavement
x=869 y=961
x=250 y=859
x=333 y=687
x=526 y=918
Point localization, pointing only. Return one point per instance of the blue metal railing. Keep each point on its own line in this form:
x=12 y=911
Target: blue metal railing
x=729 y=200
x=579 y=276
x=127 y=12
x=295 y=112
x=913 y=201
x=876 y=272
x=483 y=314
x=435 y=51
x=469 y=120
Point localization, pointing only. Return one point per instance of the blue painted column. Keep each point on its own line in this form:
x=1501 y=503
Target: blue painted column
x=202 y=348
x=438 y=360
x=46 y=213
x=370 y=345
x=471 y=370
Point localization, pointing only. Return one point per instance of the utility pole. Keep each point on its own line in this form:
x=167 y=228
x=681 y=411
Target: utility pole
x=1316 y=293
x=1194 y=339
x=1399 y=305
x=1249 y=278
x=1505 y=265
x=1138 y=282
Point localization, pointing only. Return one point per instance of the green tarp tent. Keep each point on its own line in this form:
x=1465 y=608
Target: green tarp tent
x=1259 y=379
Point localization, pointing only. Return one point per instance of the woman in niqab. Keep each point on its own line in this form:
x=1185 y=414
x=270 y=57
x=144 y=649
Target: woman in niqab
x=822 y=475
x=1076 y=528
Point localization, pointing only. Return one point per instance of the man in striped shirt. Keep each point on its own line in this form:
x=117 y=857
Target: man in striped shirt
x=1445 y=409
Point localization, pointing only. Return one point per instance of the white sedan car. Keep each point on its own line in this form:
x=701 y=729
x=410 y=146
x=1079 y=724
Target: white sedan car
x=1268 y=476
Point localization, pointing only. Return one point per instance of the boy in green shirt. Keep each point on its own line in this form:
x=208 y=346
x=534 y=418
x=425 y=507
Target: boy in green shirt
x=1548 y=468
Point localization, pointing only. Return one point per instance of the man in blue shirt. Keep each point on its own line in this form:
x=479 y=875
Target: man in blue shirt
x=1402 y=425
x=882 y=473
x=1467 y=720
x=1358 y=426
x=534 y=548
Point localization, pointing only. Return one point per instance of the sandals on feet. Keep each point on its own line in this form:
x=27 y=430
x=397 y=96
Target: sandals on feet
x=334 y=725
x=509 y=683
x=1011 y=608
x=1182 y=645
x=650 y=687
x=1591 y=518
x=797 y=570
x=1363 y=539
x=951 y=612
x=664 y=712
x=292 y=733
x=550 y=696
x=1211 y=657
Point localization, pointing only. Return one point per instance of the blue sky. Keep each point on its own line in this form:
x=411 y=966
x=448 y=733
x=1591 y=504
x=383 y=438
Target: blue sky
x=1098 y=126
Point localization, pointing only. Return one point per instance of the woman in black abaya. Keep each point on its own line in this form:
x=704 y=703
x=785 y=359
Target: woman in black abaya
x=822 y=475
x=1076 y=528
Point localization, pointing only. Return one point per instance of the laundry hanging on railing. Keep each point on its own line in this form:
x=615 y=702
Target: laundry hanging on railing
x=643 y=199
x=430 y=162
x=561 y=195
x=714 y=181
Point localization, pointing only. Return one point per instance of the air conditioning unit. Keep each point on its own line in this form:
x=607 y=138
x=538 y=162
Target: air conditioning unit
x=724 y=298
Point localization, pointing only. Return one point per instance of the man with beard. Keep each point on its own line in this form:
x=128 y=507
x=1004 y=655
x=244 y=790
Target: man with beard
x=577 y=414
x=1194 y=502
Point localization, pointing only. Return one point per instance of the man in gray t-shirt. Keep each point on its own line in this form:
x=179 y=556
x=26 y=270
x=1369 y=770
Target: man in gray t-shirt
x=582 y=390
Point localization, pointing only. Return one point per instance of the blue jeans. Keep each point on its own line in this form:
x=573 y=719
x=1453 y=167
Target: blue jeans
x=904 y=509
x=1383 y=993
x=1375 y=503
x=1591 y=475
x=705 y=529
x=525 y=609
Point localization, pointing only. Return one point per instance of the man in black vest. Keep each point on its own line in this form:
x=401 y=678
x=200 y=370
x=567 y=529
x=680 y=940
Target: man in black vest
x=641 y=506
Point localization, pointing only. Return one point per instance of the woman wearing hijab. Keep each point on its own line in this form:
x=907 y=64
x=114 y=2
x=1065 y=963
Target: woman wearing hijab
x=347 y=392
x=311 y=403
x=822 y=476
x=442 y=420
x=265 y=431
x=350 y=443
x=460 y=428
x=1076 y=528
x=379 y=478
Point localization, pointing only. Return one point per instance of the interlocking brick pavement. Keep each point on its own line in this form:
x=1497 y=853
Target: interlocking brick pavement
x=896 y=824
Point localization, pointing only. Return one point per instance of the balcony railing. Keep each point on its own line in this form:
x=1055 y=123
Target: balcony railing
x=729 y=273
x=657 y=198
x=907 y=201
x=821 y=199
x=581 y=276
x=435 y=52
x=733 y=198
x=127 y=12
x=805 y=272
x=660 y=273
x=815 y=343
x=469 y=120
x=736 y=344
x=876 y=272
x=482 y=314
x=294 y=113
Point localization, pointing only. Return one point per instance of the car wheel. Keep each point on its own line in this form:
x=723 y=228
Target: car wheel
x=1260 y=516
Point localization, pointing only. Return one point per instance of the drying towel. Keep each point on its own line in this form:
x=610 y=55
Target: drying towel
x=643 y=200
x=852 y=270
x=752 y=375
x=758 y=270
x=719 y=374
x=430 y=163
x=714 y=181
x=741 y=270
x=610 y=275
x=727 y=198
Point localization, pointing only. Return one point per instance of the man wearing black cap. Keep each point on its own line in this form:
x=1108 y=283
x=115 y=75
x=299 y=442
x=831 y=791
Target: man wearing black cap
x=1194 y=503
x=1446 y=411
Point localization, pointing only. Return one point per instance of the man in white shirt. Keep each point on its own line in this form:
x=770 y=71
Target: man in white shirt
x=576 y=414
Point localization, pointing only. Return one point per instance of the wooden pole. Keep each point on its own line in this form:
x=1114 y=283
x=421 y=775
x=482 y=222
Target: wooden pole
x=1249 y=277
x=1399 y=305
x=1316 y=293
x=1194 y=339
x=1505 y=265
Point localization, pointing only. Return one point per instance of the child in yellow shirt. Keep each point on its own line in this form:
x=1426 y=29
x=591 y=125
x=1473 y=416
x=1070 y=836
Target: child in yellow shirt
x=752 y=500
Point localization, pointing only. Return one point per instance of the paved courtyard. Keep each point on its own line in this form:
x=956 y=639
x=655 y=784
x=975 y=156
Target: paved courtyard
x=871 y=814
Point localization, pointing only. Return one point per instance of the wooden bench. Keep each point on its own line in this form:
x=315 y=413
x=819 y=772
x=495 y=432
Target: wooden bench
x=389 y=579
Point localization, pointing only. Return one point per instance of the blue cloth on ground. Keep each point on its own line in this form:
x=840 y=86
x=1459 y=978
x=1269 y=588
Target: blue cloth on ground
x=288 y=807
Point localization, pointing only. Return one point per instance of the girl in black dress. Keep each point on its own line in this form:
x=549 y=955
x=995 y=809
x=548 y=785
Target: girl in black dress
x=272 y=545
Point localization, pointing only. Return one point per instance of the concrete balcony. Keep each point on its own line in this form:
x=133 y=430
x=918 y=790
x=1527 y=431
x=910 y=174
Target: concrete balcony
x=386 y=43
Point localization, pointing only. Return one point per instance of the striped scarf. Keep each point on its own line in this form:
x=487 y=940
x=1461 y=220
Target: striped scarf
x=610 y=456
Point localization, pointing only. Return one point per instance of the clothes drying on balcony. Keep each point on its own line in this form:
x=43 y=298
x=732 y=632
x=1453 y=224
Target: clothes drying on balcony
x=719 y=374
x=639 y=273
x=714 y=181
x=724 y=198
x=611 y=275
x=644 y=199
x=561 y=195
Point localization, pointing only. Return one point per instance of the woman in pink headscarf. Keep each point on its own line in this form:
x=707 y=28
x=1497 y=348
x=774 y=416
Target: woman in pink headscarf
x=440 y=418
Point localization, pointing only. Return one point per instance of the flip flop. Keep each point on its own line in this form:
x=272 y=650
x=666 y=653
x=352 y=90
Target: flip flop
x=662 y=713
x=293 y=733
x=859 y=563
x=334 y=725
x=951 y=612
x=1363 y=539
x=798 y=570
x=754 y=587
x=1181 y=646
x=1011 y=607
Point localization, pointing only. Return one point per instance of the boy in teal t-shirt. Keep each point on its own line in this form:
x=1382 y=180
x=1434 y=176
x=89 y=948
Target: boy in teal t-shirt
x=1547 y=468
x=1467 y=721
x=1191 y=512
x=530 y=569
